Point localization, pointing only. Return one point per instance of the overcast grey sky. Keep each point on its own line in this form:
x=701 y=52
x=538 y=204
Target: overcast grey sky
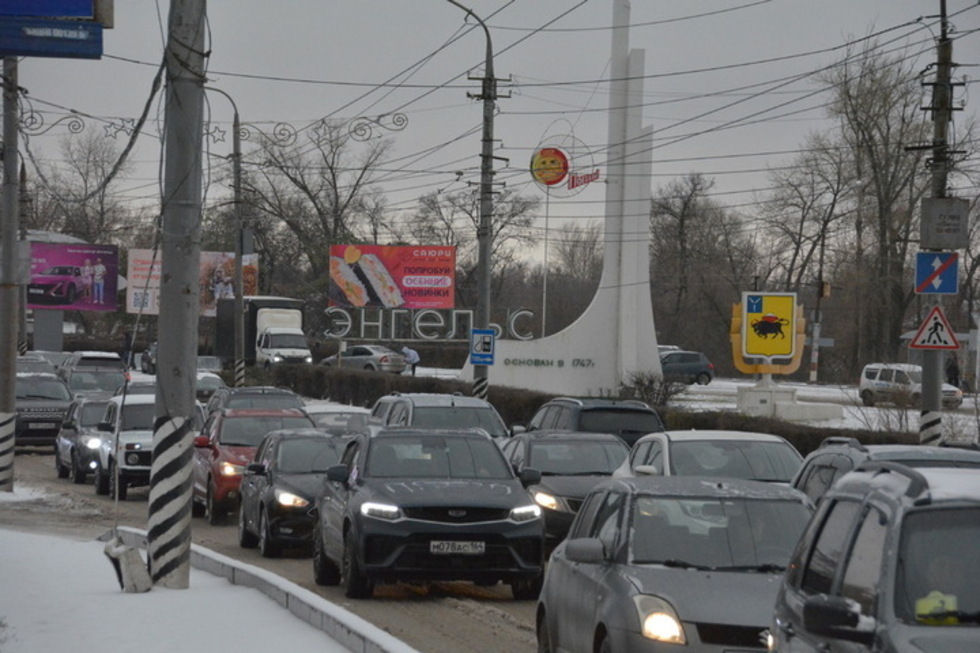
x=716 y=92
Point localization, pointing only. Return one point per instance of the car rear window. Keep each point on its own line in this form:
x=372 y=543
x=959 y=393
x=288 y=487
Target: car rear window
x=456 y=417
x=760 y=461
x=619 y=421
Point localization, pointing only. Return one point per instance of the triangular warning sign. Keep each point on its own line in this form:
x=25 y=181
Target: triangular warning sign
x=935 y=332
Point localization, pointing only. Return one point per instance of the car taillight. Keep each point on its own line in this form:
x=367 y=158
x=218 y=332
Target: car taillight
x=384 y=359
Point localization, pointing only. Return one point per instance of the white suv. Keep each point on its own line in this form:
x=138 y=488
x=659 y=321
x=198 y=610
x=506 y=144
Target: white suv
x=900 y=384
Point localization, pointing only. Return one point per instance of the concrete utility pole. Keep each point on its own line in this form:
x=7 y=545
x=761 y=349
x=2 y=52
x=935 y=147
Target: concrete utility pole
x=930 y=419
x=169 y=535
x=484 y=232
x=9 y=282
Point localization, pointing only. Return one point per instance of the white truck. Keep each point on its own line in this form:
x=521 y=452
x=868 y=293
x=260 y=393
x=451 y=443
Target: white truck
x=273 y=331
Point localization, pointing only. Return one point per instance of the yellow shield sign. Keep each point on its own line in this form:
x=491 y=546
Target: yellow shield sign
x=768 y=324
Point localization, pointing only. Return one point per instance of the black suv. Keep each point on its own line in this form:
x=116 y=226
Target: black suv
x=888 y=563
x=253 y=396
x=628 y=418
x=836 y=456
x=41 y=401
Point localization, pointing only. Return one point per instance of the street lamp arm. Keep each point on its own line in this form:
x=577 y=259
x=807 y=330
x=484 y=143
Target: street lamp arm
x=486 y=31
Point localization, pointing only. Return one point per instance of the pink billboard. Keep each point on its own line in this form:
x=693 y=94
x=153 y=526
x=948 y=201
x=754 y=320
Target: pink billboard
x=73 y=276
x=392 y=276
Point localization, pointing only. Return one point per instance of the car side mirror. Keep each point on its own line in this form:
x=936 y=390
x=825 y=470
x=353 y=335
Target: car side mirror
x=584 y=549
x=255 y=468
x=338 y=474
x=839 y=618
x=529 y=476
x=517 y=428
x=69 y=424
x=105 y=426
x=646 y=470
x=202 y=441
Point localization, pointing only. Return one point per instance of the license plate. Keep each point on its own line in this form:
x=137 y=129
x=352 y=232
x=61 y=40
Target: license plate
x=452 y=547
x=40 y=425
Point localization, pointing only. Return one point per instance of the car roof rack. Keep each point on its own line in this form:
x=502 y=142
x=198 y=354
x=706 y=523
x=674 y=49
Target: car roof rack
x=842 y=440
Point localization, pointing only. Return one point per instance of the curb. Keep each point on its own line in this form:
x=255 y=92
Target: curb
x=343 y=626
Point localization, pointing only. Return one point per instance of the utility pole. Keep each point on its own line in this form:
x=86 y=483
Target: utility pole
x=931 y=416
x=484 y=231
x=169 y=533
x=9 y=281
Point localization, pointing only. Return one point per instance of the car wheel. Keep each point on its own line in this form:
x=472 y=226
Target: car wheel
x=197 y=508
x=370 y=368
x=246 y=539
x=78 y=473
x=325 y=572
x=59 y=467
x=117 y=485
x=267 y=545
x=527 y=589
x=214 y=513
x=356 y=584
x=604 y=645
x=544 y=640
x=101 y=481
x=703 y=378
x=72 y=294
x=867 y=398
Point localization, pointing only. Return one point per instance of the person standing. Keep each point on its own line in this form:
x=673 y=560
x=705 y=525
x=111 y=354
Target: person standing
x=98 y=278
x=127 y=352
x=88 y=275
x=411 y=358
x=953 y=372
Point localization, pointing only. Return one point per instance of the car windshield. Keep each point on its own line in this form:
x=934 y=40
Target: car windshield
x=576 y=457
x=288 y=341
x=248 y=431
x=938 y=579
x=306 y=455
x=716 y=533
x=42 y=388
x=137 y=417
x=91 y=413
x=760 y=461
x=619 y=421
x=340 y=423
x=95 y=380
x=437 y=456
x=60 y=271
x=458 y=417
x=264 y=401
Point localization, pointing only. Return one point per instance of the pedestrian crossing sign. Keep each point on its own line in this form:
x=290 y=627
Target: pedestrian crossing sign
x=935 y=332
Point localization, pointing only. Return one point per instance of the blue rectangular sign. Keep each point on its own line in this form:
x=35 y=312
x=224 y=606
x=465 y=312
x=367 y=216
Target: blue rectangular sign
x=482 y=345
x=937 y=273
x=48 y=8
x=25 y=37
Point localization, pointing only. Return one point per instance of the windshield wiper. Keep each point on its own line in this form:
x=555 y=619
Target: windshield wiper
x=767 y=568
x=681 y=564
x=961 y=617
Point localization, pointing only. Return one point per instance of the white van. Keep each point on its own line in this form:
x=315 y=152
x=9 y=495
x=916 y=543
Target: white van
x=900 y=384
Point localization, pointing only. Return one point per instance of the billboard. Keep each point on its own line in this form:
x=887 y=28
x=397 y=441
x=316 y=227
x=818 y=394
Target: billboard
x=217 y=273
x=392 y=276
x=73 y=276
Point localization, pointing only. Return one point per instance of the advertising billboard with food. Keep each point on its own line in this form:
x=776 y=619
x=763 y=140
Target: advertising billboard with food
x=392 y=276
x=73 y=276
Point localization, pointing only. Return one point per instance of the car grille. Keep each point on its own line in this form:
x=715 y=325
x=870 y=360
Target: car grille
x=749 y=637
x=413 y=552
x=457 y=515
x=41 y=413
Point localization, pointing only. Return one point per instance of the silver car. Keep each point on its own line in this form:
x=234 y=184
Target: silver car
x=679 y=563
x=373 y=358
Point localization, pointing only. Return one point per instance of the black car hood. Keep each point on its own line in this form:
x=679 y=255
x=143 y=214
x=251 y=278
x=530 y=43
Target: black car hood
x=934 y=639
x=307 y=486
x=575 y=487
x=432 y=492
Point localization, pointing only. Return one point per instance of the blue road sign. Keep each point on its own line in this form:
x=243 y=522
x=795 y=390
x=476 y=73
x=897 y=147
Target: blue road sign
x=936 y=273
x=48 y=8
x=482 y=347
x=42 y=37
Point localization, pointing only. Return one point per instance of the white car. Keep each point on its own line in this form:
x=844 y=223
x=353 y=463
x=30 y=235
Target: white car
x=341 y=419
x=900 y=384
x=128 y=443
x=723 y=454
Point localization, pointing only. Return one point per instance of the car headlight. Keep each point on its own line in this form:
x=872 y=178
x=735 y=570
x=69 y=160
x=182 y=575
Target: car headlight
x=290 y=500
x=277 y=358
x=381 y=510
x=548 y=501
x=91 y=442
x=308 y=359
x=525 y=513
x=230 y=469
x=658 y=620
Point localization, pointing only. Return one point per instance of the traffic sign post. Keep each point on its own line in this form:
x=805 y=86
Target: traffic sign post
x=768 y=325
x=935 y=332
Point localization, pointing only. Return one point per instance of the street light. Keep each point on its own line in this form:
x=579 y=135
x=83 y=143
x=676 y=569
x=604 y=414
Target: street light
x=488 y=95
x=236 y=141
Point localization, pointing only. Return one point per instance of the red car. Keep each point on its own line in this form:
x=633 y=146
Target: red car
x=222 y=450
